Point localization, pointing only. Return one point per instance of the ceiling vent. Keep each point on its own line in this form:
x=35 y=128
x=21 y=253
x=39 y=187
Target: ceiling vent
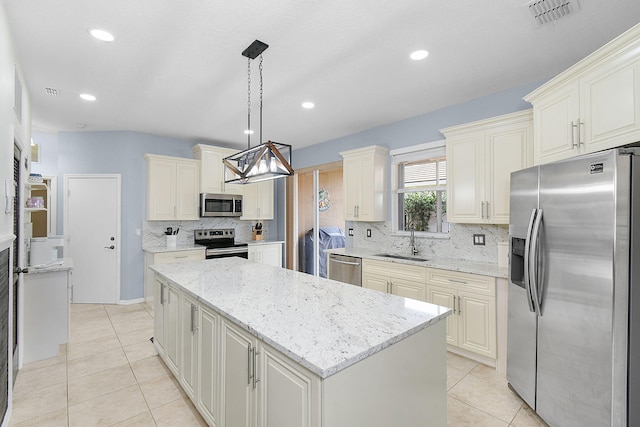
x=545 y=11
x=51 y=91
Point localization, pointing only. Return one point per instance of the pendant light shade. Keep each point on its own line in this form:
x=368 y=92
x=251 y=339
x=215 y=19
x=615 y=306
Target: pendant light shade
x=269 y=160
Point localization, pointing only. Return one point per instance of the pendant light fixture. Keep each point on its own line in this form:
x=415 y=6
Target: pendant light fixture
x=268 y=160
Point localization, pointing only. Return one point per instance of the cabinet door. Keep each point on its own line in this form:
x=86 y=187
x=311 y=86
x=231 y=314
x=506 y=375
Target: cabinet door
x=555 y=137
x=161 y=189
x=237 y=368
x=187 y=190
x=208 y=384
x=171 y=325
x=477 y=331
x=610 y=105
x=507 y=150
x=159 y=289
x=188 y=345
x=351 y=176
x=408 y=289
x=466 y=178
x=257 y=201
x=287 y=393
x=375 y=282
x=446 y=298
x=271 y=254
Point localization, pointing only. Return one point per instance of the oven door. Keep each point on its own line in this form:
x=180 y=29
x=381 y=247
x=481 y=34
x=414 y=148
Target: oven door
x=242 y=252
x=212 y=205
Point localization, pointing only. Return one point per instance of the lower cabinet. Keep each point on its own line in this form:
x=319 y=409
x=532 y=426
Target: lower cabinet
x=404 y=280
x=472 y=299
x=207 y=397
x=266 y=253
x=171 y=327
x=188 y=344
x=152 y=258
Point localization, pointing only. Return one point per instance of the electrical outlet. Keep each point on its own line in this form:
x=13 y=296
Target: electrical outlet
x=368 y=232
x=478 y=239
x=351 y=232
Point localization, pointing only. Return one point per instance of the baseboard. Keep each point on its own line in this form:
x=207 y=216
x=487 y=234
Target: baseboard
x=131 y=301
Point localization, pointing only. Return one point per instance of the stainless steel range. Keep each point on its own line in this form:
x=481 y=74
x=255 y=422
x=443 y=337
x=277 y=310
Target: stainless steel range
x=220 y=243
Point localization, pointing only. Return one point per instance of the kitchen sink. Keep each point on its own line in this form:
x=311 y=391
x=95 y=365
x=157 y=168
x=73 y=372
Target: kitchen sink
x=405 y=257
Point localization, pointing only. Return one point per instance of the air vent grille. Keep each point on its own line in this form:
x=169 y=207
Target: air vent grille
x=545 y=11
x=51 y=91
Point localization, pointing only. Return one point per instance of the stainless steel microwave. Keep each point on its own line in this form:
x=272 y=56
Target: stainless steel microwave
x=220 y=204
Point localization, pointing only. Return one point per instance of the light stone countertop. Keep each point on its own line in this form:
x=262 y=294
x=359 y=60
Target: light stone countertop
x=63 y=264
x=474 y=267
x=161 y=249
x=322 y=324
x=262 y=242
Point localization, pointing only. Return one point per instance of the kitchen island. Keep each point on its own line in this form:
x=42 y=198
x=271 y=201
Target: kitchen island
x=253 y=344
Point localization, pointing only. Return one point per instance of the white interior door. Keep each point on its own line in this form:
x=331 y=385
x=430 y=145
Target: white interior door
x=92 y=232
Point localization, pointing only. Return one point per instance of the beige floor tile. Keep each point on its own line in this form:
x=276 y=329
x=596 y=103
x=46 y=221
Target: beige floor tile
x=135 y=337
x=136 y=324
x=77 y=308
x=34 y=379
x=459 y=362
x=78 y=317
x=143 y=420
x=123 y=308
x=95 y=363
x=149 y=369
x=485 y=395
x=177 y=413
x=129 y=316
x=460 y=414
x=140 y=351
x=53 y=419
x=39 y=402
x=98 y=384
x=88 y=348
x=527 y=418
x=108 y=409
x=98 y=321
x=91 y=334
x=454 y=375
x=62 y=358
x=160 y=391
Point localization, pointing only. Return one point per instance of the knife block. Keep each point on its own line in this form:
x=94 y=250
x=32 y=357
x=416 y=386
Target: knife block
x=257 y=234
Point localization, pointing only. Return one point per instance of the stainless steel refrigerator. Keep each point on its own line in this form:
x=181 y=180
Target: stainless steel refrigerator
x=573 y=349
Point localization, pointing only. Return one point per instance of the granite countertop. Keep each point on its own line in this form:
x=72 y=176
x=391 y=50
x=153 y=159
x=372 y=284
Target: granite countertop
x=63 y=264
x=263 y=242
x=322 y=324
x=160 y=249
x=474 y=267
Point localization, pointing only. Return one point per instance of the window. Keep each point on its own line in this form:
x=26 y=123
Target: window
x=421 y=189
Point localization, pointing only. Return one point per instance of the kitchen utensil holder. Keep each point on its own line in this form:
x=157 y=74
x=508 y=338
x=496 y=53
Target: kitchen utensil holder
x=172 y=240
x=257 y=234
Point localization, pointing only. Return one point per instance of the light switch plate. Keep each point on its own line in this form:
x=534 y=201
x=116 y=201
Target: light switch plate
x=478 y=239
x=351 y=232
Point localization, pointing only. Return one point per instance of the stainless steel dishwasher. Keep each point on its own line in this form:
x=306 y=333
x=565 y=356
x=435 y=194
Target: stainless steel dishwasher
x=344 y=268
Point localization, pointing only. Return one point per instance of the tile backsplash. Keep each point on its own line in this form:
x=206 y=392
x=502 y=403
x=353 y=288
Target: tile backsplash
x=458 y=245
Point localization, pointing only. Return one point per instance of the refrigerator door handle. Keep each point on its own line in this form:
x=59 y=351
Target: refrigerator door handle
x=533 y=261
x=527 y=256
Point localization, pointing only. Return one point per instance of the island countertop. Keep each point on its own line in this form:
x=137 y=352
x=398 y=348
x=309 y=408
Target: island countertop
x=322 y=324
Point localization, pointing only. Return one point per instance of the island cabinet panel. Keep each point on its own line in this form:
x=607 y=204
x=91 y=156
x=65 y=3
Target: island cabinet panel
x=171 y=327
x=159 y=288
x=238 y=370
x=188 y=344
x=208 y=374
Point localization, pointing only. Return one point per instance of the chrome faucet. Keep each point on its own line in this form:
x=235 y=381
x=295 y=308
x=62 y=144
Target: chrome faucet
x=412 y=241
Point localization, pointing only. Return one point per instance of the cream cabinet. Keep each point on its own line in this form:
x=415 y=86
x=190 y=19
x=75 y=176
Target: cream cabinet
x=480 y=158
x=257 y=201
x=592 y=106
x=472 y=298
x=238 y=350
x=152 y=258
x=188 y=337
x=172 y=188
x=172 y=328
x=266 y=253
x=365 y=181
x=212 y=169
x=159 y=286
x=404 y=280
x=207 y=396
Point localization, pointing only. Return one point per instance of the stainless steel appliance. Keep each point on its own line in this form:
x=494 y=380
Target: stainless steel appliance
x=345 y=269
x=220 y=205
x=220 y=243
x=573 y=347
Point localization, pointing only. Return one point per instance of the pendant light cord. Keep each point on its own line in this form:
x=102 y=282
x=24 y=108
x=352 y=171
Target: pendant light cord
x=248 y=103
x=260 y=68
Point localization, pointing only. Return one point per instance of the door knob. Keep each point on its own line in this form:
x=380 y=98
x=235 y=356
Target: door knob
x=110 y=247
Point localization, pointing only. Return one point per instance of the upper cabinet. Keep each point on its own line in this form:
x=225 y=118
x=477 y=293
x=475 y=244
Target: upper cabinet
x=592 y=106
x=212 y=170
x=365 y=179
x=257 y=200
x=172 y=188
x=480 y=158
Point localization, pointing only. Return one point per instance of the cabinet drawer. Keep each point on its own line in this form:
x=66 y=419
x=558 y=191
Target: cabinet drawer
x=179 y=256
x=394 y=270
x=463 y=281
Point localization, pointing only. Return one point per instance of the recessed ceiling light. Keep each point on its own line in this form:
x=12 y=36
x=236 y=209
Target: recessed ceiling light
x=51 y=91
x=308 y=105
x=248 y=132
x=418 y=55
x=87 y=97
x=103 y=35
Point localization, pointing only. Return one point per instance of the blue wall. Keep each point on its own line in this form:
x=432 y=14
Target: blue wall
x=416 y=130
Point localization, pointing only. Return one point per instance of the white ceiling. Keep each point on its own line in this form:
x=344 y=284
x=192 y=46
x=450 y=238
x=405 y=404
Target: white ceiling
x=175 y=67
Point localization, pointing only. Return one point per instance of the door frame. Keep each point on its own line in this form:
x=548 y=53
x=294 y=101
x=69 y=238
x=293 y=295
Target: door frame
x=118 y=240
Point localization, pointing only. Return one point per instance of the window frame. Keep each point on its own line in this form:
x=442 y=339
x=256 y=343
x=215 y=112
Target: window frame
x=412 y=154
